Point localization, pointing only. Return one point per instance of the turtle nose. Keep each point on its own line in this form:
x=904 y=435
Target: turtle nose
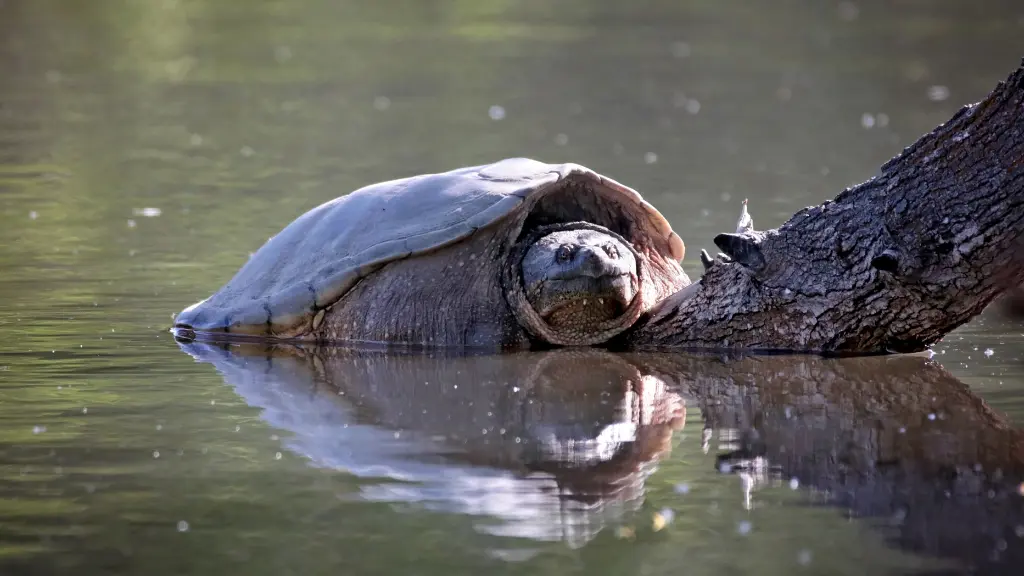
x=595 y=262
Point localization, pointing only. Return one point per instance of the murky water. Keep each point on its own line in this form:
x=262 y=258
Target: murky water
x=147 y=147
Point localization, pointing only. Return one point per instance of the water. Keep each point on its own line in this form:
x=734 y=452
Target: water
x=147 y=148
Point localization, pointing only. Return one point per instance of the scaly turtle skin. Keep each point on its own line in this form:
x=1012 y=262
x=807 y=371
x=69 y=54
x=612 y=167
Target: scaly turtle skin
x=510 y=254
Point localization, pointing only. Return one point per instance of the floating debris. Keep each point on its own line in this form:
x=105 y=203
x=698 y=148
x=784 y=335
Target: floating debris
x=938 y=93
x=662 y=518
x=148 y=212
x=496 y=112
x=625 y=533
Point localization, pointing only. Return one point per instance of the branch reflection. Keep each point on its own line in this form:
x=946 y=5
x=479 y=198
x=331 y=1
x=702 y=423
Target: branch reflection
x=897 y=439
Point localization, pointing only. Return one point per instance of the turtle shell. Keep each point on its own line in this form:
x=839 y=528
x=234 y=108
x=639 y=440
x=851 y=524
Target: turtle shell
x=317 y=258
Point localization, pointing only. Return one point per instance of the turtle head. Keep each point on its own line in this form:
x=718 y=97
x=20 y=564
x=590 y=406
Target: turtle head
x=580 y=281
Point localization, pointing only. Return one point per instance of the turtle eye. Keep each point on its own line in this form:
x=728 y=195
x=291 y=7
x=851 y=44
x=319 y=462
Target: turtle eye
x=611 y=250
x=563 y=255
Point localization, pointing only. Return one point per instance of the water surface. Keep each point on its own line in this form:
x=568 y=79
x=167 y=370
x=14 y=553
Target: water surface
x=147 y=148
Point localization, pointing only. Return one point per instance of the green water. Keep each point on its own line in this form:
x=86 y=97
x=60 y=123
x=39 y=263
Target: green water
x=146 y=148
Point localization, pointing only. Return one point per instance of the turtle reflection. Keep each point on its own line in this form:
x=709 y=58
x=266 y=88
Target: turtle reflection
x=554 y=445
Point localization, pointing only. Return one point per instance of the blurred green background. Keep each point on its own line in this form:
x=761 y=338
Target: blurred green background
x=146 y=148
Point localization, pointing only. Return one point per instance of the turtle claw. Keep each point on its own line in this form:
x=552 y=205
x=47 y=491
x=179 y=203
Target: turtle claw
x=706 y=259
x=743 y=249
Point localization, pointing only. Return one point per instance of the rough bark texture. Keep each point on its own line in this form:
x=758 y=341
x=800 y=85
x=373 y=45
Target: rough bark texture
x=892 y=264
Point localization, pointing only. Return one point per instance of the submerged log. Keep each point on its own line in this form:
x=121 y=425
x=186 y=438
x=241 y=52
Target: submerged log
x=890 y=265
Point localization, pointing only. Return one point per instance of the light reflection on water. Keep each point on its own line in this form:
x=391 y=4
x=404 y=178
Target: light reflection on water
x=147 y=149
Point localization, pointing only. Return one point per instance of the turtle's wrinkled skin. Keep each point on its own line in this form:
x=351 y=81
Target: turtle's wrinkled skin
x=510 y=255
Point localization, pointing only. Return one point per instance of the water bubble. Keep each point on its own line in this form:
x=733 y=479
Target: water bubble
x=882 y=119
x=85 y=410
x=277 y=455
x=744 y=527
x=650 y=158
x=38 y=429
x=246 y=151
x=938 y=93
x=681 y=50
x=867 y=121
x=282 y=53
x=794 y=483
x=53 y=76
x=195 y=140
x=156 y=453
x=682 y=488
x=148 y=212
x=561 y=139
x=848 y=11
x=182 y=526
x=33 y=215
x=131 y=223
x=692 y=106
x=159 y=427
x=804 y=557
x=989 y=352
x=931 y=416
x=381 y=103
x=496 y=112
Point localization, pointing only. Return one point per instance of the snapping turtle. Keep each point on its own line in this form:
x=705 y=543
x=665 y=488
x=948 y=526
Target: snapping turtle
x=502 y=255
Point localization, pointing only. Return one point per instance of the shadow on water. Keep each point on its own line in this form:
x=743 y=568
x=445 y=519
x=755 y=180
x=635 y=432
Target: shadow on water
x=558 y=445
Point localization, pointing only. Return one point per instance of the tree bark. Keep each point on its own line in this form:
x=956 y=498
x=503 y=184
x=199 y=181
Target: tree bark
x=890 y=265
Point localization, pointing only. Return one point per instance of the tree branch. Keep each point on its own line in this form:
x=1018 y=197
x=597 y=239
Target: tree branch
x=892 y=264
